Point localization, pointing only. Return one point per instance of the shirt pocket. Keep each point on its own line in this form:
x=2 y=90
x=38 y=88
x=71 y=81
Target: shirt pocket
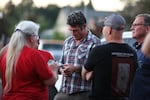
x=82 y=52
x=66 y=50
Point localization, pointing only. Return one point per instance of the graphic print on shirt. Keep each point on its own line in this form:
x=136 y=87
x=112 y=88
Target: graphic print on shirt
x=122 y=69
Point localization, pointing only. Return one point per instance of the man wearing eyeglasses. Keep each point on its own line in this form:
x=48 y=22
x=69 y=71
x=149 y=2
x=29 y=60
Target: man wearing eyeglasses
x=140 y=87
x=140 y=28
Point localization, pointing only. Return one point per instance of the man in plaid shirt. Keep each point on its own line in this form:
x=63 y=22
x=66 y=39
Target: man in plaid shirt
x=75 y=52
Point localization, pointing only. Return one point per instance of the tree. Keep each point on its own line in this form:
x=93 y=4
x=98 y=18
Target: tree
x=47 y=16
x=90 y=6
x=10 y=17
x=134 y=7
x=26 y=10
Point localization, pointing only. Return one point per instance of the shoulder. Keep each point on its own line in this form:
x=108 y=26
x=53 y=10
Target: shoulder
x=101 y=48
x=130 y=48
x=47 y=55
x=31 y=52
x=30 y=55
x=69 y=39
x=93 y=38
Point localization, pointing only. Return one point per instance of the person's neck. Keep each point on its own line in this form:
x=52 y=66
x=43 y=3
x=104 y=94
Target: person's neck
x=77 y=42
x=140 y=41
x=115 y=41
x=28 y=45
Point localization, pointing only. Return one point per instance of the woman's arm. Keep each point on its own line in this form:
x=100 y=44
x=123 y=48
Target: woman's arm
x=53 y=79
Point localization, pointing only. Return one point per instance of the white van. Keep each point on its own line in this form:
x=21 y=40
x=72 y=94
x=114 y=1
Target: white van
x=127 y=37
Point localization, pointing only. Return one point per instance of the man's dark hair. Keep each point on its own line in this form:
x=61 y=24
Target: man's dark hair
x=76 y=18
x=146 y=18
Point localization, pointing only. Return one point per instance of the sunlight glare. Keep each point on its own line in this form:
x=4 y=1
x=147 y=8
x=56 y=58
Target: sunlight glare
x=108 y=5
x=101 y=5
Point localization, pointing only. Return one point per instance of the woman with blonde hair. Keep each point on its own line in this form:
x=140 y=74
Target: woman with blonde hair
x=24 y=72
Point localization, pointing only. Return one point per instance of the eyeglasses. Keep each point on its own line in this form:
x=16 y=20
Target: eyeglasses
x=36 y=36
x=137 y=25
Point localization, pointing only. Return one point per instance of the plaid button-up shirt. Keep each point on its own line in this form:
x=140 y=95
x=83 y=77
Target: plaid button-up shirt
x=77 y=56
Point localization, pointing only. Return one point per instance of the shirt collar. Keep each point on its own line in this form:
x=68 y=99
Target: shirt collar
x=137 y=45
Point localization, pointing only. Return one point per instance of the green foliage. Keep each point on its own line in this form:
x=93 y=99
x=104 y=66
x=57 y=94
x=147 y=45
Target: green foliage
x=58 y=36
x=134 y=7
x=46 y=17
x=2 y=26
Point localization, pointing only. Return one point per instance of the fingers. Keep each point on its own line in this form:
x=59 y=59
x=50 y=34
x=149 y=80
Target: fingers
x=54 y=67
x=66 y=71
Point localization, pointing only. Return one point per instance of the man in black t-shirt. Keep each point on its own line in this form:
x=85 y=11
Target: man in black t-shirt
x=112 y=65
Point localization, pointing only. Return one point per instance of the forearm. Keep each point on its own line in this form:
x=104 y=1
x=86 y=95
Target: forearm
x=55 y=77
x=77 y=69
x=54 y=69
x=52 y=80
x=89 y=75
x=86 y=75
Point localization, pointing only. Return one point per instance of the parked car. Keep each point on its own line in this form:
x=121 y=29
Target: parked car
x=52 y=46
x=127 y=38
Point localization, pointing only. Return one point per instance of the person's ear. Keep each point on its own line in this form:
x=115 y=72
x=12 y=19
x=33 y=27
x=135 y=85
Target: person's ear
x=110 y=30
x=31 y=39
x=84 y=26
x=148 y=29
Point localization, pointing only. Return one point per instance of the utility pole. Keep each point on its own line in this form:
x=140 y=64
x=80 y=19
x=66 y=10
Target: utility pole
x=1 y=15
x=85 y=9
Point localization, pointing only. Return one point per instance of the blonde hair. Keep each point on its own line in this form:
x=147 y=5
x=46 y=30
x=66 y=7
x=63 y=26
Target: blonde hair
x=18 y=40
x=146 y=45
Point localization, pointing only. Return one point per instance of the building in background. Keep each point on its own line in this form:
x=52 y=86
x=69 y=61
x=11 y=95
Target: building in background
x=94 y=18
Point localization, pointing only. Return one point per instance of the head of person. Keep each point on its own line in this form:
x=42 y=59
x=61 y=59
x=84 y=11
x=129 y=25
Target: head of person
x=25 y=33
x=29 y=32
x=97 y=29
x=140 y=27
x=113 y=27
x=77 y=24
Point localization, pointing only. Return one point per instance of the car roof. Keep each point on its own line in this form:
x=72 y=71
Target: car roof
x=46 y=41
x=126 y=34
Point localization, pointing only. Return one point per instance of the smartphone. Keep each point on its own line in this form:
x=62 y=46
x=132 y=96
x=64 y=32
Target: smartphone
x=61 y=66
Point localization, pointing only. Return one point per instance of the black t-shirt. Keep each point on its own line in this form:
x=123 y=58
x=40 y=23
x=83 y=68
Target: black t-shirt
x=113 y=65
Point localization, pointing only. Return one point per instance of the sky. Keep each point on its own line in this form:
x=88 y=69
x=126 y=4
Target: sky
x=100 y=5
